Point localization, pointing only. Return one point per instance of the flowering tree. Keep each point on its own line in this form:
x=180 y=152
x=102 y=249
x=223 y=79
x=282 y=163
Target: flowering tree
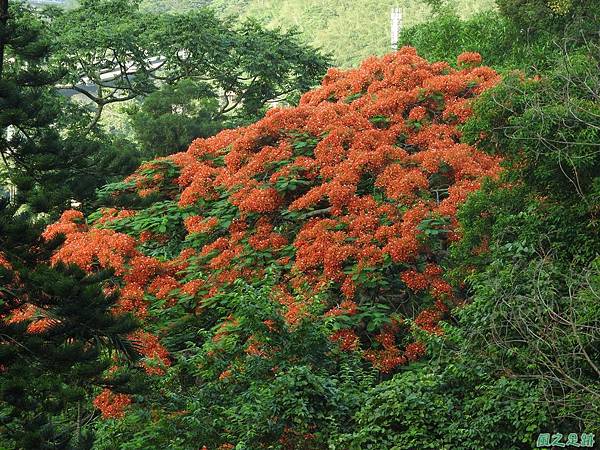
x=348 y=202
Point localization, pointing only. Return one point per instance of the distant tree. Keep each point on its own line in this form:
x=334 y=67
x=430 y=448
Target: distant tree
x=167 y=120
x=125 y=52
x=351 y=30
x=54 y=153
x=566 y=18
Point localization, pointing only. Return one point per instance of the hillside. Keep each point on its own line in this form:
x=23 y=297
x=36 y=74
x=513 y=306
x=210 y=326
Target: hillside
x=350 y=30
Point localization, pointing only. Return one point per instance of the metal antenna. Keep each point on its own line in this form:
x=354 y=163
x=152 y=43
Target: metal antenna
x=396 y=21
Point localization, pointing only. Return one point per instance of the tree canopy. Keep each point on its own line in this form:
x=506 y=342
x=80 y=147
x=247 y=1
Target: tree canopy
x=406 y=256
x=347 y=202
x=126 y=53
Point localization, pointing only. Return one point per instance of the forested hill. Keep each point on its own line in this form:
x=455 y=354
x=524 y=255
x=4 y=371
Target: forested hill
x=350 y=30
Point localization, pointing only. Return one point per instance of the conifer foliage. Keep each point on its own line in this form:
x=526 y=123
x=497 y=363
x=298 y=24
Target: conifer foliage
x=350 y=198
x=59 y=336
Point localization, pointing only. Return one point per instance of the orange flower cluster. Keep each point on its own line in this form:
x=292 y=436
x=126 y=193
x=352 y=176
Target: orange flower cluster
x=4 y=262
x=429 y=320
x=347 y=339
x=111 y=214
x=225 y=374
x=112 y=405
x=345 y=308
x=96 y=247
x=70 y=222
x=414 y=350
x=131 y=299
x=255 y=347
x=22 y=313
x=162 y=286
x=13 y=279
x=341 y=189
x=37 y=317
x=265 y=238
x=152 y=351
x=469 y=58
x=150 y=177
x=295 y=308
x=197 y=224
x=40 y=325
x=388 y=356
x=430 y=279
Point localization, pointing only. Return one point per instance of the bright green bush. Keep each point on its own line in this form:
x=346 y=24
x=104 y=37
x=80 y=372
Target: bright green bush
x=453 y=403
x=565 y=18
x=531 y=241
x=495 y=37
x=238 y=396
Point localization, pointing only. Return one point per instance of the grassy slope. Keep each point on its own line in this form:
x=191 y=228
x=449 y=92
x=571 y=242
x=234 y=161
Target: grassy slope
x=350 y=30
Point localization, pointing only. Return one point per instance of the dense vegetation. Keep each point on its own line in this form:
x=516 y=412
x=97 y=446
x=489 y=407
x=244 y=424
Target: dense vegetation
x=59 y=151
x=337 y=198
x=339 y=27
x=56 y=152
x=336 y=26
x=408 y=258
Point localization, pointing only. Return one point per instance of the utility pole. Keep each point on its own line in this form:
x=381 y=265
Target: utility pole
x=396 y=23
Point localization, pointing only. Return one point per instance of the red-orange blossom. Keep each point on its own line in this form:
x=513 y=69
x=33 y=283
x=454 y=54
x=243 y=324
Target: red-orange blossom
x=385 y=159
